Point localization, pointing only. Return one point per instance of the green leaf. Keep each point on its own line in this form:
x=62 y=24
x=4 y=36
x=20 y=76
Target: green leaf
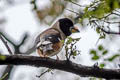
x=102 y=65
x=2 y=57
x=86 y=9
x=62 y=41
x=98 y=30
x=93 y=52
x=113 y=57
x=105 y=52
x=100 y=48
x=95 y=57
x=102 y=36
x=69 y=40
x=74 y=53
x=115 y=4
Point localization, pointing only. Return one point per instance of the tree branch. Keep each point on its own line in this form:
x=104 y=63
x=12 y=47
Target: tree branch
x=107 y=32
x=6 y=45
x=16 y=47
x=9 y=39
x=9 y=67
x=8 y=71
x=63 y=65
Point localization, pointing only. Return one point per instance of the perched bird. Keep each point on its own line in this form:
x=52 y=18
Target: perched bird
x=49 y=43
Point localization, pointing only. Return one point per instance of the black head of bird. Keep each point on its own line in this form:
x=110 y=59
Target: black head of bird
x=48 y=43
x=67 y=26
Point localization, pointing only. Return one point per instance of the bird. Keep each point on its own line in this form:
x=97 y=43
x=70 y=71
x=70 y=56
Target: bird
x=49 y=42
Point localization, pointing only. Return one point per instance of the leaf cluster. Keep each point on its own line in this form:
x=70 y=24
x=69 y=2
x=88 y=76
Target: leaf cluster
x=70 y=47
x=100 y=53
x=98 y=8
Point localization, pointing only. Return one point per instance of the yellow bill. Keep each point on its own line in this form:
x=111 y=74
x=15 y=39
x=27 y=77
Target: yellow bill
x=75 y=29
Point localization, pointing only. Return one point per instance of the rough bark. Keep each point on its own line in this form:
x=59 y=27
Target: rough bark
x=63 y=65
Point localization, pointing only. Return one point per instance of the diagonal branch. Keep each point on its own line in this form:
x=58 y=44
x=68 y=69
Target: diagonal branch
x=105 y=31
x=63 y=65
x=16 y=47
x=7 y=38
x=8 y=71
x=6 y=45
x=9 y=67
x=109 y=32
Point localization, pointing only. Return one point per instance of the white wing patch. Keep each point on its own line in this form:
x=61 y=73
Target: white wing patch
x=59 y=39
x=46 y=42
x=45 y=45
x=49 y=37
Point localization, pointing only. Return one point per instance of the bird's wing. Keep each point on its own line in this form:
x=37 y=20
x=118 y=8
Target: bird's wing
x=49 y=41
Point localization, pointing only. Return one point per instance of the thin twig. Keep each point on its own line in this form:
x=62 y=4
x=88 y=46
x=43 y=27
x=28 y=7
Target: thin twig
x=119 y=27
x=48 y=70
x=3 y=77
x=8 y=70
x=5 y=43
x=116 y=14
x=107 y=32
x=110 y=22
x=73 y=11
x=107 y=15
x=77 y=4
x=8 y=38
x=110 y=32
x=16 y=47
x=117 y=11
